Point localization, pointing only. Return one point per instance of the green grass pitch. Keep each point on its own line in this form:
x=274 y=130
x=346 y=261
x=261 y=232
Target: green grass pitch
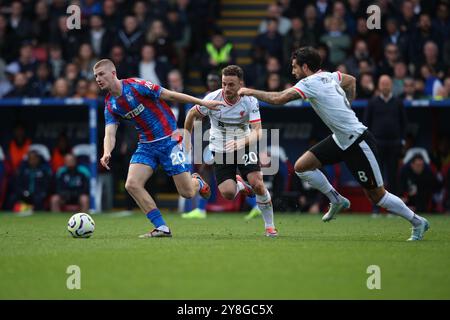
x=224 y=257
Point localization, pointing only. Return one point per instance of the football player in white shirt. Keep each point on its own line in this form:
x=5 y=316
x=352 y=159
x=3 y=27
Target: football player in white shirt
x=330 y=95
x=235 y=130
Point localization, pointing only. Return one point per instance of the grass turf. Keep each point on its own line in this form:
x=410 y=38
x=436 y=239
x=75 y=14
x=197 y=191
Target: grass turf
x=224 y=257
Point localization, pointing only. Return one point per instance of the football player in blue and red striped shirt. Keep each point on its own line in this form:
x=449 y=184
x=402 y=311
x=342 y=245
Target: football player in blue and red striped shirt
x=142 y=102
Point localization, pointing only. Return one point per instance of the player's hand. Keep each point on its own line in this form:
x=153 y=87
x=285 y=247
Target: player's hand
x=105 y=161
x=245 y=92
x=212 y=104
x=234 y=145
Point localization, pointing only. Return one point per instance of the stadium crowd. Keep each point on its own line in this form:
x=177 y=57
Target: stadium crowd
x=160 y=40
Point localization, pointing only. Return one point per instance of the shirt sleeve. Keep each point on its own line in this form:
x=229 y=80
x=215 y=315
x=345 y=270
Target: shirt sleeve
x=254 y=115
x=303 y=87
x=151 y=89
x=337 y=76
x=204 y=111
x=110 y=116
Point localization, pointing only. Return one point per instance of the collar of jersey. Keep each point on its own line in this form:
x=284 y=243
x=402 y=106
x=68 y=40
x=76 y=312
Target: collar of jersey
x=227 y=102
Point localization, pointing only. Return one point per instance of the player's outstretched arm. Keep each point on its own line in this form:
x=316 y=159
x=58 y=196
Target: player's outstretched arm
x=185 y=98
x=348 y=83
x=282 y=97
x=192 y=115
x=108 y=144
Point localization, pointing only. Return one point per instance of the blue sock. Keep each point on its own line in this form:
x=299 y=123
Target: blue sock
x=202 y=203
x=251 y=201
x=156 y=218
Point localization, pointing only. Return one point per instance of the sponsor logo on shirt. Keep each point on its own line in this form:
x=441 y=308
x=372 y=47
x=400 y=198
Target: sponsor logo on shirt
x=135 y=112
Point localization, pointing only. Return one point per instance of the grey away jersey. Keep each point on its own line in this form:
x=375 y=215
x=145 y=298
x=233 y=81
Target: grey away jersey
x=231 y=121
x=329 y=101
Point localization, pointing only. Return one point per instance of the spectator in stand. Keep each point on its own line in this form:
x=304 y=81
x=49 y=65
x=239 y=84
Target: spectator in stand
x=33 y=182
x=18 y=147
x=111 y=16
x=93 y=91
x=90 y=7
x=296 y=38
x=391 y=57
x=366 y=66
x=180 y=32
x=26 y=63
x=140 y=11
x=441 y=153
x=418 y=183
x=442 y=20
x=218 y=54
x=431 y=54
x=72 y=186
x=98 y=36
x=130 y=37
x=158 y=36
x=41 y=83
x=56 y=62
x=176 y=83
x=324 y=53
x=271 y=40
x=71 y=75
x=409 y=90
x=313 y=27
x=394 y=36
x=125 y=65
x=5 y=84
x=372 y=37
x=398 y=82
x=7 y=40
x=432 y=82
x=69 y=40
x=386 y=118
x=152 y=69
x=61 y=88
x=18 y=23
x=274 y=12
x=360 y=52
x=408 y=19
x=337 y=41
x=273 y=82
x=21 y=88
x=81 y=89
x=365 y=86
x=62 y=148
x=340 y=11
x=41 y=23
x=420 y=37
x=85 y=61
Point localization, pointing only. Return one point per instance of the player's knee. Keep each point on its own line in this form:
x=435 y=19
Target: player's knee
x=132 y=186
x=375 y=195
x=299 y=167
x=228 y=194
x=187 y=193
x=259 y=187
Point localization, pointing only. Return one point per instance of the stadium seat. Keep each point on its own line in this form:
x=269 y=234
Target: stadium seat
x=82 y=152
x=42 y=150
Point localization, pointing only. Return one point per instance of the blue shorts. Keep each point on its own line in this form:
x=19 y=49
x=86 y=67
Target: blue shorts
x=167 y=152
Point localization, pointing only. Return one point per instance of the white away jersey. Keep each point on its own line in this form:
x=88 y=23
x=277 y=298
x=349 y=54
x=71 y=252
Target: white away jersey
x=329 y=101
x=231 y=121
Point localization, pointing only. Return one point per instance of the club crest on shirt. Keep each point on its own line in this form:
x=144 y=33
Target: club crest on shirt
x=242 y=113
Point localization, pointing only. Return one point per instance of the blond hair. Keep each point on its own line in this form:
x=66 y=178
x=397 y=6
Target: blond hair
x=105 y=62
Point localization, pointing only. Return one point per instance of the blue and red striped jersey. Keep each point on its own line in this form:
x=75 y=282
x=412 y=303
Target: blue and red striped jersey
x=140 y=103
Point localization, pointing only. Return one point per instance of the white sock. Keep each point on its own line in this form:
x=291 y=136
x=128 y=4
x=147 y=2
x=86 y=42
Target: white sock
x=239 y=186
x=395 y=205
x=265 y=205
x=317 y=180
